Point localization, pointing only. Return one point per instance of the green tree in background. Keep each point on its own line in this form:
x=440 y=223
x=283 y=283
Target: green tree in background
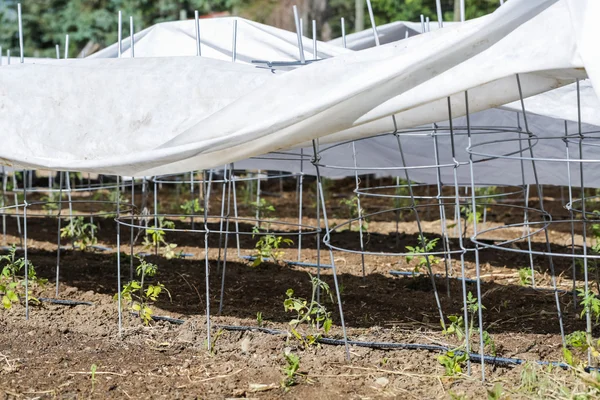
x=93 y=23
x=46 y=22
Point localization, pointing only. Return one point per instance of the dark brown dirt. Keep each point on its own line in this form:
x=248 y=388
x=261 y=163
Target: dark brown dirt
x=51 y=354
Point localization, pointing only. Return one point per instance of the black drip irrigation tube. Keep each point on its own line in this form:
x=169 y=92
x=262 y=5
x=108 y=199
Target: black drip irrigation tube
x=65 y=302
x=292 y=263
x=492 y=360
x=410 y=274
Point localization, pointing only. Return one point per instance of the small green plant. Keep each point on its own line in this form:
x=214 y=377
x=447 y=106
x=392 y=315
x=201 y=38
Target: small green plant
x=580 y=341
x=80 y=233
x=314 y=314
x=529 y=379
x=291 y=370
x=577 y=340
x=402 y=193
x=590 y=303
x=116 y=196
x=191 y=207
x=268 y=247
x=470 y=216
x=259 y=319
x=12 y=281
x=50 y=201
x=93 y=375
x=138 y=298
x=525 y=276
x=214 y=341
x=155 y=239
x=264 y=208
x=354 y=210
x=452 y=362
x=457 y=327
x=496 y=392
x=416 y=251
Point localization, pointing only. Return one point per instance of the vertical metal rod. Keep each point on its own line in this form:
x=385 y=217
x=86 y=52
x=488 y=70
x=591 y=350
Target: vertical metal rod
x=314 y=37
x=528 y=233
x=131 y=238
x=119 y=299
x=422 y=23
x=572 y=217
x=460 y=239
x=477 y=265
x=131 y=37
x=58 y=52
x=120 y=35
x=258 y=199
x=343 y=24
x=206 y=264
x=445 y=239
x=16 y=197
x=526 y=186
x=4 y=184
x=300 y=202
x=321 y=197
x=541 y=199
x=299 y=34
x=360 y=220
x=418 y=220
x=462 y=10
x=22 y=56
x=234 y=44
x=68 y=179
x=22 y=59
x=229 y=182
x=222 y=215
x=60 y=194
x=440 y=16
x=588 y=316
x=155 y=212
x=373 y=26
x=197 y=29
x=25 y=247
x=193 y=199
x=66 y=46
x=235 y=215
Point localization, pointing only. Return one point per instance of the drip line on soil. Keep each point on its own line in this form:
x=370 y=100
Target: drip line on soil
x=292 y=263
x=65 y=302
x=411 y=274
x=493 y=360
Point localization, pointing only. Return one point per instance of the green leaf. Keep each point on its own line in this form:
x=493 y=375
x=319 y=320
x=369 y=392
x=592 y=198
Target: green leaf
x=12 y=296
x=6 y=302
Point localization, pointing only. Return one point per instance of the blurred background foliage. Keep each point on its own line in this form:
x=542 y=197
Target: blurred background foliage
x=92 y=24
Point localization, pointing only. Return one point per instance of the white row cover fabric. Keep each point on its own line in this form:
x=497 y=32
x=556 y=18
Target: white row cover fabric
x=254 y=41
x=388 y=33
x=381 y=156
x=167 y=115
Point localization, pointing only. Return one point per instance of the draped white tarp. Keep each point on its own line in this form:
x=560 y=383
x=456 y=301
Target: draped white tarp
x=162 y=115
x=388 y=33
x=253 y=42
